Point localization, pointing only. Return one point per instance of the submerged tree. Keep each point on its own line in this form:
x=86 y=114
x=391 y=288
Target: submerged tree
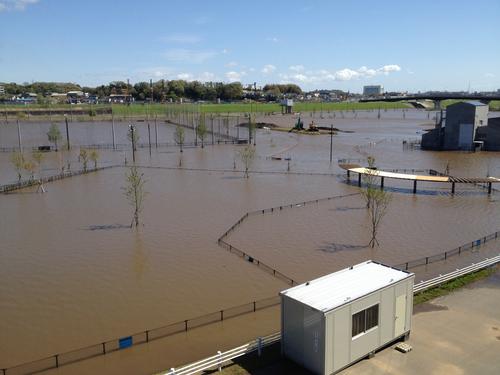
x=377 y=200
x=84 y=158
x=134 y=192
x=202 y=130
x=378 y=208
x=17 y=160
x=179 y=136
x=54 y=135
x=37 y=157
x=94 y=157
x=247 y=155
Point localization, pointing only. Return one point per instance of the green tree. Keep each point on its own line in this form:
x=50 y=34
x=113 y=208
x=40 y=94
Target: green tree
x=17 y=159
x=247 y=156
x=179 y=136
x=134 y=192
x=202 y=130
x=54 y=135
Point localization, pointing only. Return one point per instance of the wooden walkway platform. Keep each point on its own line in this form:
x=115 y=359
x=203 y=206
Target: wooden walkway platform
x=356 y=168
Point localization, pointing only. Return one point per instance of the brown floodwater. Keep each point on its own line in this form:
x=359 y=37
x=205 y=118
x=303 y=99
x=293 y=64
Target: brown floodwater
x=72 y=274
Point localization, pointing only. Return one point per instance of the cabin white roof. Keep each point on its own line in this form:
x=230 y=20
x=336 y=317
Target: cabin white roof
x=336 y=289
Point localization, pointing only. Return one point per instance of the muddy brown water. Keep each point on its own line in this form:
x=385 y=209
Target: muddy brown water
x=72 y=275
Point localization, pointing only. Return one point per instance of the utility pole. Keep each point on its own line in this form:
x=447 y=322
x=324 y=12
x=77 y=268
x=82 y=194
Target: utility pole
x=156 y=132
x=113 y=129
x=19 y=137
x=149 y=138
x=67 y=131
x=331 y=143
x=132 y=136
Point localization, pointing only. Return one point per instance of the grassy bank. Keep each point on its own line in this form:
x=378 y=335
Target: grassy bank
x=452 y=285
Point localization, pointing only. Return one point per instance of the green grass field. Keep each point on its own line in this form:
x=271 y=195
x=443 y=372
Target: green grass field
x=136 y=110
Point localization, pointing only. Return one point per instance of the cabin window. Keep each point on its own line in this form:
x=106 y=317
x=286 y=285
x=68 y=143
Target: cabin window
x=364 y=320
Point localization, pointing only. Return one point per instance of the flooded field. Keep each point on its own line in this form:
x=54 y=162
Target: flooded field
x=72 y=274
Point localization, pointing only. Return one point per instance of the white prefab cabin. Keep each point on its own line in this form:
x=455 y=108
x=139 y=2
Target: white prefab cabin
x=335 y=320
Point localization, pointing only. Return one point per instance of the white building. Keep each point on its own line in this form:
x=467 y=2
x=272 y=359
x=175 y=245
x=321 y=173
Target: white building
x=331 y=322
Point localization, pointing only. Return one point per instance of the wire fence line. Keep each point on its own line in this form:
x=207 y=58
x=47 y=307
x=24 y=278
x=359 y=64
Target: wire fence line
x=105 y=347
x=262 y=265
x=39 y=181
x=469 y=246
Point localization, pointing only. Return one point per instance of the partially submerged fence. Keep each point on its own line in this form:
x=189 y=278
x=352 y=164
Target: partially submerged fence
x=37 y=181
x=223 y=358
x=469 y=246
x=61 y=359
x=270 y=270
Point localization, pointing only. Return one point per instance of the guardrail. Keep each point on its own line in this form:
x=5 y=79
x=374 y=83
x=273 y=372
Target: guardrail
x=424 y=285
x=221 y=358
x=218 y=360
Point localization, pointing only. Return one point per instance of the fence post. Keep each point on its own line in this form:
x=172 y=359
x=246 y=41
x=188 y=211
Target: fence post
x=259 y=346
x=445 y=254
x=57 y=360
x=185 y=325
x=220 y=360
x=426 y=260
x=147 y=336
x=221 y=315
x=103 y=348
x=406 y=266
x=254 y=306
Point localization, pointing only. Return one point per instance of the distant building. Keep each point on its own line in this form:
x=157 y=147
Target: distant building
x=458 y=129
x=2 y=89
x=373 y=90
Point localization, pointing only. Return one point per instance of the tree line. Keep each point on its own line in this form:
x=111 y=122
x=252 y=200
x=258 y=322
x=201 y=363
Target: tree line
x=162 y=90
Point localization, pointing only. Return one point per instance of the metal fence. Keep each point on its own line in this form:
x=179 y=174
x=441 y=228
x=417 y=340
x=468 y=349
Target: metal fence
x=61 y=359
x=447 y=254
x=272 y=271
x=36 y=182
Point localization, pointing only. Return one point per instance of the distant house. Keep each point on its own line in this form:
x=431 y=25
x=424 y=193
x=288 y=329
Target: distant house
x=120 y=98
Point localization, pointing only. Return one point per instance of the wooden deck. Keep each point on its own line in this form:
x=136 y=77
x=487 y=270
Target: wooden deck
x=356 y=168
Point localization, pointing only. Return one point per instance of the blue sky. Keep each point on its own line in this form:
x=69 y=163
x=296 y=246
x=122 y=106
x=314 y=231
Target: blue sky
x=406 y=46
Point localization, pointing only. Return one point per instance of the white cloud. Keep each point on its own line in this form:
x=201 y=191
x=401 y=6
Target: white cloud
x=185 y=76
x=225 y=51
x=324 y=76
x=233 y=76
x=231 y=64
x=189 y=56
x=16 y=4
x=272 y=39
x=386 y=69
x=268 y=69
x=182 y=38
x=489 y=75
x=296 y=68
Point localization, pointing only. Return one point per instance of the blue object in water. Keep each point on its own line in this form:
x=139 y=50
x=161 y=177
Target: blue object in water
x=125 y=342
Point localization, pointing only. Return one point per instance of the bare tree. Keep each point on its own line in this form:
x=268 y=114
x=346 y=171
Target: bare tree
x=134 y=192
x=54 y=135
x=37 y=160
x=202 y=130
x=30 y=167
x=94 y=157
x=380 y=201
x=247 y=156
x=377 y=200
x=369 y=179
x=84 y=158
x=17 y=160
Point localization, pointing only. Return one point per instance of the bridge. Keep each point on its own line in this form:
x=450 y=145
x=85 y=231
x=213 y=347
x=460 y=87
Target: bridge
x=437 y=98
x=355 y=168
